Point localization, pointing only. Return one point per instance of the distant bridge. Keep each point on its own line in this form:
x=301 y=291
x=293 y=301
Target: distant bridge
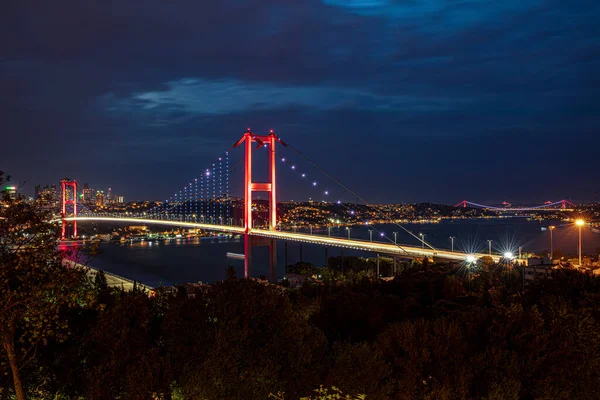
x=560 y=205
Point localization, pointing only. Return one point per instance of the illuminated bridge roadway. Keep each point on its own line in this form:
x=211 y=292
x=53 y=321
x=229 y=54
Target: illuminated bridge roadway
x=355 y=244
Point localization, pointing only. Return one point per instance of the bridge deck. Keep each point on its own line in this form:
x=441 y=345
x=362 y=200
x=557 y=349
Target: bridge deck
x=355 y=244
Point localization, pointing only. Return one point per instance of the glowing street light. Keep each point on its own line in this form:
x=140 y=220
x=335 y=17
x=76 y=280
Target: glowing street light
x=551 y=227
x=509 y=255
x=471 y=258
x=580 y=223
x=452 y=243
x=348 y=229
x=395 y=235
x=489 y=247
x=371 y=235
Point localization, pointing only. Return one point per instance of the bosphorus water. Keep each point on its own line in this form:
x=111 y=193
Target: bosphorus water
x=205 y=259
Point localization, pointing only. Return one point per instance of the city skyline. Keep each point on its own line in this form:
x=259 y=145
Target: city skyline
x=403 y=102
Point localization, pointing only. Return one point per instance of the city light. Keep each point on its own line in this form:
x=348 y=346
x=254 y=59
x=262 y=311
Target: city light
x=471 y=258
x=580 y=222
x=509 y=255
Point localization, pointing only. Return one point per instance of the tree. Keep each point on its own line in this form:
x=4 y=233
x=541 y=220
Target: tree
x=34 y=284
x=244 y=341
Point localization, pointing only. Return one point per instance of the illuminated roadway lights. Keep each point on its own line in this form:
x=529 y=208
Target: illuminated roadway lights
x=508 y=256
x=580 y=224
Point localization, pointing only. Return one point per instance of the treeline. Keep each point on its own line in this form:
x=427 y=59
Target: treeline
x=427 y=334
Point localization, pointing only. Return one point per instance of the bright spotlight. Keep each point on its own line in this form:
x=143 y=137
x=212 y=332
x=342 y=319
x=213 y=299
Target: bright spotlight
x=580 y=222
x=509 y=255
x=471 y=258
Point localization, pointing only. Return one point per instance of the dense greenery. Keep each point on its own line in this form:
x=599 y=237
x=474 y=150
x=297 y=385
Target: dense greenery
x=433 y=332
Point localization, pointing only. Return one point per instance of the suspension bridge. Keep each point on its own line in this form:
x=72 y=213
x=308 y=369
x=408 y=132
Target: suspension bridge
x=561 y=205
x=204 y=203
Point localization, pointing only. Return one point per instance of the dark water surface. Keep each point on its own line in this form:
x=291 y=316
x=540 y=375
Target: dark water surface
x=193 y=260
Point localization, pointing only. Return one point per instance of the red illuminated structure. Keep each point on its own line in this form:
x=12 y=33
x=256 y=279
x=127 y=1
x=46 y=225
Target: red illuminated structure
x=67 y=183
x=564 y=203
x=250 y=186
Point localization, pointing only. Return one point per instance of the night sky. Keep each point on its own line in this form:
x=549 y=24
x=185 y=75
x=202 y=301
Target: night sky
x=402 y=100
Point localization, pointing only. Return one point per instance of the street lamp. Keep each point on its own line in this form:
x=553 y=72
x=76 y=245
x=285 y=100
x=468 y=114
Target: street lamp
x=348 y=229
x=395 y=234
x=551 y=227
x=371 y=235
x=422 y=240
x=580 y=223
x=452 y=243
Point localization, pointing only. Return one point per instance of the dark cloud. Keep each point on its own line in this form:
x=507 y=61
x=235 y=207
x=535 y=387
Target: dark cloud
x=486 y=95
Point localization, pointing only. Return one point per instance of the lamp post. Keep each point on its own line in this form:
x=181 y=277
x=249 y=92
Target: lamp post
x=489 y=247
x=370 y=235
x=452 y=243
x=348 y=229
x=422 y=240
x=395 y=235
x=580 y=223
x=552 y=227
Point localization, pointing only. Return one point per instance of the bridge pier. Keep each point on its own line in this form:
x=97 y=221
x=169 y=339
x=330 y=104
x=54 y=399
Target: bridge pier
x=253 y=241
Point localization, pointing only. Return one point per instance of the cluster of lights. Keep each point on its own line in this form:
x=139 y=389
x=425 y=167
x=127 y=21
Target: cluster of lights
x=192 y=203
x=314 y=183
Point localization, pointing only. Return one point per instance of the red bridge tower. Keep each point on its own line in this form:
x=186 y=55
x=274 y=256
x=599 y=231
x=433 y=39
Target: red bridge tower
x=68 y=200
x=250 y=186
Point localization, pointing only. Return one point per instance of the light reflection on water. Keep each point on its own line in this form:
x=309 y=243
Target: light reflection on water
x=205 y=259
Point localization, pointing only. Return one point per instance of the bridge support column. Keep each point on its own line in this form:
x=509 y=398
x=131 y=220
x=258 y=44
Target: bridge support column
x=249 y=186
x=247 y=255
x=67 y=183
x=286 y=258
x=273 y=260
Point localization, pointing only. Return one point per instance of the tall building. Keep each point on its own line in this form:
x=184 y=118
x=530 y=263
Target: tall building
x=100 y=198
x=89 y=196
x=46 y=195
x=110 y=196
x=12 y=191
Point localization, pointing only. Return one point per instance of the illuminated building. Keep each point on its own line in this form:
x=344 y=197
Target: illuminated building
x=46 y=196
x=100 y=198
x=110 y=196
x=12 y=191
